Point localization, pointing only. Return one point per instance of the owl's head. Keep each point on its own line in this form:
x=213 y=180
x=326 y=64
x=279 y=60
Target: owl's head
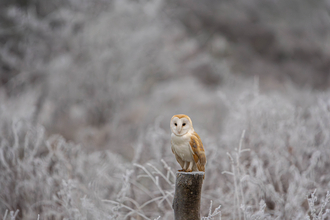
x=181 y=124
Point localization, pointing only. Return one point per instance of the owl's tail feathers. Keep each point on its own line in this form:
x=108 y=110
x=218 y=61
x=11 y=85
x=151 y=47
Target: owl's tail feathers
x=201 y=168
x=201 y=161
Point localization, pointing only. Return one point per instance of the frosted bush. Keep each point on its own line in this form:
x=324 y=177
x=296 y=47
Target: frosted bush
x=285 y=159
x=264 y=171
x=48 y=176
x=318 y=213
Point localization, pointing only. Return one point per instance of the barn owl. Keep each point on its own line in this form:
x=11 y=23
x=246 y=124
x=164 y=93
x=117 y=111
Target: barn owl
x=186 y=144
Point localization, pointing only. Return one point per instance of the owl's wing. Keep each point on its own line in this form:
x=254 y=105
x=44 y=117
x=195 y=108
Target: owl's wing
x=198 y=150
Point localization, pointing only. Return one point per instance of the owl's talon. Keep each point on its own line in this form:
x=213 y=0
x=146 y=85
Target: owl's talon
x=182 y=170
x=189 y=170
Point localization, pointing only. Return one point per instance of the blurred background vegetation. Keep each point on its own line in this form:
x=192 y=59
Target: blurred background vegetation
x=109 y=74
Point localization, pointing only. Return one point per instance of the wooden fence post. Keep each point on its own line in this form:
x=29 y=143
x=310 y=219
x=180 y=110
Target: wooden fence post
x=187 y=196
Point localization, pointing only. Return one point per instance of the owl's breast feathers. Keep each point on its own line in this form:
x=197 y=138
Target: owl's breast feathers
x=198 y=149
x=180 y=147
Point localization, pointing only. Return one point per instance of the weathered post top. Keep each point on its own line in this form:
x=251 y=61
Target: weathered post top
x=187 y=196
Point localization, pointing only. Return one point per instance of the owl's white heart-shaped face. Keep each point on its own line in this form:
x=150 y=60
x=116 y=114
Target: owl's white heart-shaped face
x=181 y=125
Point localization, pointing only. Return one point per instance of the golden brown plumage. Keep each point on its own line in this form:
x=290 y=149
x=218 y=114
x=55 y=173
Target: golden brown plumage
x=199 y=152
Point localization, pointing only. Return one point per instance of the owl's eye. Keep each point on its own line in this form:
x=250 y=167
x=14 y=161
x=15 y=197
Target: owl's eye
x=183 y=124
x=175 y=124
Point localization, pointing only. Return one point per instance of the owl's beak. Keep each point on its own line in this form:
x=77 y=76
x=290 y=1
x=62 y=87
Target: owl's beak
x=179 y=129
